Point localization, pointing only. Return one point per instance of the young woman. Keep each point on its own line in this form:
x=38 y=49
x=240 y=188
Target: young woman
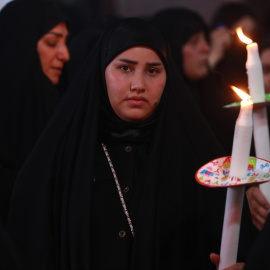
x=33 y=54
x=110 y=184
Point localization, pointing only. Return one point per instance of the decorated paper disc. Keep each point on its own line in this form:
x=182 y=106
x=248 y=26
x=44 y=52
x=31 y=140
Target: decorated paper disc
x=216 y=173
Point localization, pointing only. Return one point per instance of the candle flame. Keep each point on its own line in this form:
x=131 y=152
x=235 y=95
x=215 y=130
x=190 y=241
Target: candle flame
x=242 y=37
x=246 y=99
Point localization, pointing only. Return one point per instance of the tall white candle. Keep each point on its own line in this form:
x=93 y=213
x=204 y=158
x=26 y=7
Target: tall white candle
x=257 y=92
x=235 y=195
x=231 y=226
x=255 y=73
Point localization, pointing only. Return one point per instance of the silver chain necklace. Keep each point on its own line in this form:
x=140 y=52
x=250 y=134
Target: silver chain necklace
x=119 y=189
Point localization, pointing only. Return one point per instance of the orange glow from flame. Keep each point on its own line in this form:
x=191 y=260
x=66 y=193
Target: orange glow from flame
x=242 y=37
x=246 y=99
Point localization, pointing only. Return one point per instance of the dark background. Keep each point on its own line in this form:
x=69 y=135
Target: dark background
x=84 y=12
x=92 y=9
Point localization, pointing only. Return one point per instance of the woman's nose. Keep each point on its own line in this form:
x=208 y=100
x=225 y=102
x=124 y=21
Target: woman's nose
x=205 y=46
x=64 y=53
x=137 y=83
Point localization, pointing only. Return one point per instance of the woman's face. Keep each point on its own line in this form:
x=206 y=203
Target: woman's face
x=265 y=58
x=135 y=81
x=195 y=56
x=53 y=52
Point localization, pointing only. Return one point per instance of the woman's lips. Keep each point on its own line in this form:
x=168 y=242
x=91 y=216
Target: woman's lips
x=57 y=70
x=136 y=101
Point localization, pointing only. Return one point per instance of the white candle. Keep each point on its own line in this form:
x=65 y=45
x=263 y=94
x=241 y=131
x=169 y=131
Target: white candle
x=235 y=195
x=242 y=141
x=231 y=226
x=257 y=92
x=255 y=73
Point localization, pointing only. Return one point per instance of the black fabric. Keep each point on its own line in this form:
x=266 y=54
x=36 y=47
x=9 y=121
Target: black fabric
x=10 y=258
x=27 y=97
x=79 y=47
x=258 y=258
x=177 y=221
x=178 y=25
x=211 y=92
x=108 y=222
x=84 y=40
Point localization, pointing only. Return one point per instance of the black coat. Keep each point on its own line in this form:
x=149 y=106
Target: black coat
x=258 y=258
x=56 y=216
x=27 y=97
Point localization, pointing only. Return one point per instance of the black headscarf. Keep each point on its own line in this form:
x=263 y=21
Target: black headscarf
x=27 y=96
x=229 y=13
x=178 y=25
x=84 y=40
x=50 y=215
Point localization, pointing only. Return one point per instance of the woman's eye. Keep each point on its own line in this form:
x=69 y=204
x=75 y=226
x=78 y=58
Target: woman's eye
x=124 y=68
x=51 y=44
x=153 y=71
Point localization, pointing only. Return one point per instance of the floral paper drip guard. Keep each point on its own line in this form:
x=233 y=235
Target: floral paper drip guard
x=216 y=173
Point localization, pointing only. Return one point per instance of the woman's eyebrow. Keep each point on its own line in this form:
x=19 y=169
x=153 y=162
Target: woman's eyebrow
x=136 y=62
x=154 y=64
x=55 y=33
x=128 y=61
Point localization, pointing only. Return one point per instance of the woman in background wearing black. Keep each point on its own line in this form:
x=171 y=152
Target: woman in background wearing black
x=33 y=54
x=188 y=36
